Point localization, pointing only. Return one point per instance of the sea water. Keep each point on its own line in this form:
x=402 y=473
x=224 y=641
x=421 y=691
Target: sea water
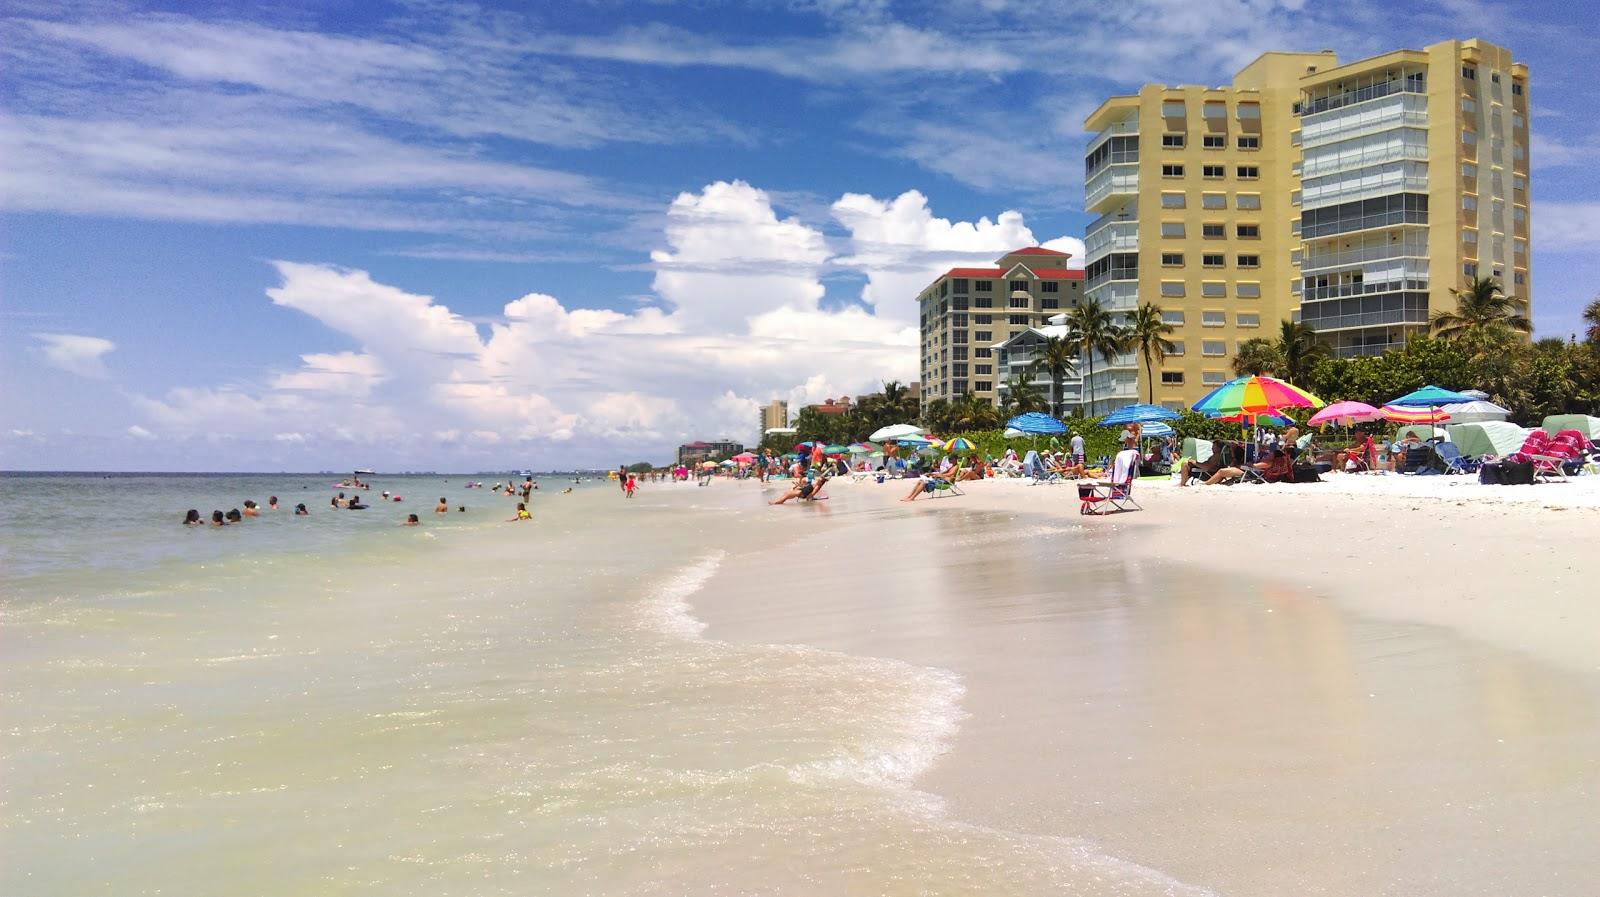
x=336 y=704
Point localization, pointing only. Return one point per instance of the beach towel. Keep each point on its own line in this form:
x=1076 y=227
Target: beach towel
x=1126 y=466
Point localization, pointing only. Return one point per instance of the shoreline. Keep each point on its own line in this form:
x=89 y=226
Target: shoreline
x=1095 y=711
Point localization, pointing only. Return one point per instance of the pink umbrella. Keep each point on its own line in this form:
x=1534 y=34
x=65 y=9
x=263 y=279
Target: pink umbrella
x=1345 y=414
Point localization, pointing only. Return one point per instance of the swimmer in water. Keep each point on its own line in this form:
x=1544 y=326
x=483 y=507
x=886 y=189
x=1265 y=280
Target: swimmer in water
x=250 y=509
x=462 y=509
x=411 y=520
x=193 y=518
x=300 y=510
x=522 y=513
x=566 y=490
x=216 y=519
x=443 y=508
x=234 y=516
x=272 y=503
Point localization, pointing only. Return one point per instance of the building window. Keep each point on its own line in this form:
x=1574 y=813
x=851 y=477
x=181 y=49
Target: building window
x=1172 y=289
x=1249 y=261
x=1018 y=302
x=1516 y=88
x=1248 y=319
x=983 y=336
x=1469 y=236
x=1172 y=260
x=1249 y=111
x=982 y=369
x=1247 y=201
x=1469 y=203
x=1172 y=141
x=1248 y=172
x=958 y=370
x=983 y=302
x=1172 y=109
x=1019 y=319
x=1175 y=318
x=1470 y=138
x=982 y=353
x=1519 y=183
x=983 y=319
x=1214 y=141
x=1050 y=302
x=1172 y=229
x=1172 y=378
x=1213 y=318
x=1519 y=278
x=958 y=337
x=1248 y=231
x=1213 y=200
x=961 y=284
x=1050 y=286
x=1213 y=260
x=1213 y=172
x=1469 y=171
x=1469 y=73
x=959 y=353
x=983 y=286
x=1214 y=110
x=1172 y=201
x=1172 y=171
x=1177 y=348
x=1211 y=378
x=958 y=320
x=1249 y=143
x=1213 y=347
x=1247 y=290
x=1214 y=289
x=1213 y=231
x=1470 y=269
x=1019 y=286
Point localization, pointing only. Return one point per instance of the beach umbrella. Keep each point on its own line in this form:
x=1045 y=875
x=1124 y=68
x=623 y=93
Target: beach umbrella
x=708 y=464
x=1345 y=414
x=730 y=463
x=1138 y=413
x=896 y=431
x=960 y=444
x=1413 y=415
x=1260 y=420
x=1431 y=396
x=744 y=457
x=862 y=448
x=835 y=449
x=1475 y=412
x=1013 y=433
x=1157 y=429
x=1036 y=423
x=1254 y=396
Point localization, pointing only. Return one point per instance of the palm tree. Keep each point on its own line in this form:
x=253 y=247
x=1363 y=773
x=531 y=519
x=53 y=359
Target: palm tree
x=1300 y=351
x=897 y=399
x=973 y=412
x=1257 y=356
x=1147 y=332
x=1057 y=359
x=1591 y=320
x=1484 y=315
x=937 y=416
x=1022 y=396
x=1096 y=333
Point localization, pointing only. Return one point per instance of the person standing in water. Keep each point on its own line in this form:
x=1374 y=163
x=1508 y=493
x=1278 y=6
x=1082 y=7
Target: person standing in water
x=443 y=507
x=622 y=478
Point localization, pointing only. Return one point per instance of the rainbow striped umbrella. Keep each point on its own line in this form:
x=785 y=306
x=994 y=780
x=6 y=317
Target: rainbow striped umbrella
x=1419 y=415
x=1252 y=396
x=960 y=444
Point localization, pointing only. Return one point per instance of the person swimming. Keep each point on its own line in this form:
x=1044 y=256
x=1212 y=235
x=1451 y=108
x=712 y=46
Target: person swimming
x=300 y=510
x=411 y=520
x=234 y=516
x=193 y=518
x=443 y=508
x=216 y=519
x=250 y=509
x=272 y=503
x=566 y=490
x=462 y=509
x=356 y=505
x=522 y=513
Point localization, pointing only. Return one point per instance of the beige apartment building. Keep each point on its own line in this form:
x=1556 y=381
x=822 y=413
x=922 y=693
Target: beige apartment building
x=774 y=415
x=965 y=312
x=1351 y=197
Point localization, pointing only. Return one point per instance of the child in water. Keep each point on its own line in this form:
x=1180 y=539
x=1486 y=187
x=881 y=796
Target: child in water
x=411 y=520
x=522 y=513
x=300 y=510
x=192 y=518
x=443 y=508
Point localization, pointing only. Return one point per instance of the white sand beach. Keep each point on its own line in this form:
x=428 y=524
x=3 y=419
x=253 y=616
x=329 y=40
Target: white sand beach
x=1373 y=685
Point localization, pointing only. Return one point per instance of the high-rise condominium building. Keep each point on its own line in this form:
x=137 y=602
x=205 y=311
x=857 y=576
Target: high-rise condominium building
x=1350 y=197
x=966 y=311
x=775 y=415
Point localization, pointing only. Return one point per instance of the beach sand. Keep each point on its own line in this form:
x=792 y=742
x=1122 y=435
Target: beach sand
x=1375 y=685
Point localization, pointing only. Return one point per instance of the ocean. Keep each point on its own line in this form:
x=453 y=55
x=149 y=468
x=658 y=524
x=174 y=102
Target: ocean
x=336 y=704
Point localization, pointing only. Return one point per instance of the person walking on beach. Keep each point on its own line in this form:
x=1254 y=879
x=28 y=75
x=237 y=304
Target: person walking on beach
x=622 y=478
x=628 y=485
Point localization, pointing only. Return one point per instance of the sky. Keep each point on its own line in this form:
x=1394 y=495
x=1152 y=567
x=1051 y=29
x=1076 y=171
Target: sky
x=443 y=236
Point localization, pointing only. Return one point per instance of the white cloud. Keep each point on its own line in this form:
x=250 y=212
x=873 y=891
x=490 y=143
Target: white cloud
x=138 y=432
x=544 y=383
x=1566 y=226
x=75 y=353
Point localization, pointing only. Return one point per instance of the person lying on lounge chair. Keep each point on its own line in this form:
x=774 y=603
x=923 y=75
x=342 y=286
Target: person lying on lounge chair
x=1279 y=468
x=1205 y=470
x=927 y=480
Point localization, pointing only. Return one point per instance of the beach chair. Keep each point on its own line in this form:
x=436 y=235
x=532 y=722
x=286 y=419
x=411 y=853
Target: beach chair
x=1034 y=467
x=1104 y=496
x=1453 y=460
x=1546 y=458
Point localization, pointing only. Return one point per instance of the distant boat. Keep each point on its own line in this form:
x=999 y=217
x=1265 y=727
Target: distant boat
x=358 y=472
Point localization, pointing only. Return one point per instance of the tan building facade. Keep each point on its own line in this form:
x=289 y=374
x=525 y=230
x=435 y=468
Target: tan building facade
x=1352 y=197
x=774 y=415
x=966 y=311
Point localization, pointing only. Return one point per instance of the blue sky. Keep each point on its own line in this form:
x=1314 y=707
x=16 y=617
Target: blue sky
x=443 y=236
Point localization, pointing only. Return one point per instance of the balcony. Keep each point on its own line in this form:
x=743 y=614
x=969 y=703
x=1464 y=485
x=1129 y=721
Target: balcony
x=1411 y=84
x=1114 y=180
x=1334 y=191
x=1109 y=275
x=1129 y=127
x=1114 y=296
x=1369 y=251
x=1414 y=149
x=1410 y=110
x=1116 y=236
x=1364 y=288
x=1332 y=315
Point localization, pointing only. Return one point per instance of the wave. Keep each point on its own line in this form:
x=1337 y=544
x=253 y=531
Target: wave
x=667 y=608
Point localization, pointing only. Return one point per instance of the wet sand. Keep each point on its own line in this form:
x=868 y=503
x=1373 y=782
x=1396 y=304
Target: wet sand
x=1255 y=692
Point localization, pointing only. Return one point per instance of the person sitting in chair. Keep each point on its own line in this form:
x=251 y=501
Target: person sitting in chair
x=1204 y=470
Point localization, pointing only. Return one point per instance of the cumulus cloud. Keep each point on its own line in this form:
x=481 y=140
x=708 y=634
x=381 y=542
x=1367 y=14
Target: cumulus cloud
x=737 y=319
x=138 y=432
x=75 y=353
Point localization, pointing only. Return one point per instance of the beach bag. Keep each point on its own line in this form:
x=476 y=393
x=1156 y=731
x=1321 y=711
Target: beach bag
x=1490 y=474
x=1516 y=473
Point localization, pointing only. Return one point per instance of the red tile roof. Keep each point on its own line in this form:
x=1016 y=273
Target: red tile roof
x=1035 y=250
